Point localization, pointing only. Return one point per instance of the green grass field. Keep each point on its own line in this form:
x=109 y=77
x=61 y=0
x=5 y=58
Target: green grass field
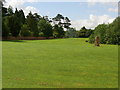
x=59 y=63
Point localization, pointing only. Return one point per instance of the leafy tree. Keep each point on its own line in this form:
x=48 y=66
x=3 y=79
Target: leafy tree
x=66 y=22
x=62 y=21
x=108 y=33
x=45 y=27
x=58 y=31
x=46 y=18
x=12 y=23
x=32 y=24
x=58 y=18
x=71 y=33
x=113 y=32
x=37 y=17
x=21 y=17
x=16 y=26
x=25 y=31
x=5 y=29
x=4 y=11
x=84 y=33
x=100 y=31
x=10 y=10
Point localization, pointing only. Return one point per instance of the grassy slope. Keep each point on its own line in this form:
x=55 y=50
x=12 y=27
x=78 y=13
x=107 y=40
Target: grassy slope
x=59 y=63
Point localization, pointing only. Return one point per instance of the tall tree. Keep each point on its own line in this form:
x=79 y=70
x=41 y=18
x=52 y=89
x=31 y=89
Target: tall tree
x=58 y=31
x=58 y=19
x=37 y=17
x=4 y=10
x=32 y=23
x=10 y=10
x=71 y=33
x=5 y=28
x=84 y=33
x=62 y=21
x=21 y=17
x=45 y=27
x=66 y=22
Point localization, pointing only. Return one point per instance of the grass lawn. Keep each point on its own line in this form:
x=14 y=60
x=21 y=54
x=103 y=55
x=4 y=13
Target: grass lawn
x=59 y=63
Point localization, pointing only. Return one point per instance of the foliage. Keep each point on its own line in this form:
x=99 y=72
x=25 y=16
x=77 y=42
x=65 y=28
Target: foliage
x=62 y=21
x=5 y=29
x=13 y=25
x=32 y=23
x=71 y=33
x=45 y=27
x=25 y=31
x=58 y=31
x=10 y=11
x=4 y=11
x=108 y=33
x=84 y=33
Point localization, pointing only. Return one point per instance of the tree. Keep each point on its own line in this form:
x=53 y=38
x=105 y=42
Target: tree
x=84 y=33
x=113 y=32
x=37 y=17
x=13 y=24
x=32 y=24
x=21 y=16
x=58 y=31
x=58 y=20
x=5 y=29
x=16 y=26
x=4 y=11
x=71 y=33
x=25 y=31
x=45 y=27
x=100 y=31
x=108 y=33
x=61 y=21
x=10 y=10
x=66 y=23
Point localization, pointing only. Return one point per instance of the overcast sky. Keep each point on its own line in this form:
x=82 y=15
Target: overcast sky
x=89 y=13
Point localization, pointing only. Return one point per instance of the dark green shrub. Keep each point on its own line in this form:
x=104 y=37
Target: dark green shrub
x=25 y=32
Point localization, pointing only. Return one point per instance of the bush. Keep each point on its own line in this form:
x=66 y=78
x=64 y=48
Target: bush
x=5 y=29
x=71 y=33
x=100 y=31
x=108 y=33
x=92 y=39
x=25 y=32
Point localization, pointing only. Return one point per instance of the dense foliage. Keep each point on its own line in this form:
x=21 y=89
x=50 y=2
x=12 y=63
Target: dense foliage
x=71 y=33
x=108 y=33
x=84 y=33
x=33 y=25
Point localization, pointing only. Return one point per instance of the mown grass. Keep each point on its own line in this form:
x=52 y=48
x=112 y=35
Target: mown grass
x=59 y=63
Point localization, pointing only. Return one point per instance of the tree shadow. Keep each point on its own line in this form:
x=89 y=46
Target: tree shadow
x=13 y=41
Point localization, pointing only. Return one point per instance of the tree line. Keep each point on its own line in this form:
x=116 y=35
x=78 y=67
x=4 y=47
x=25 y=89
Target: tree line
x=108 y=33
x=15 y=24
x=33 y=25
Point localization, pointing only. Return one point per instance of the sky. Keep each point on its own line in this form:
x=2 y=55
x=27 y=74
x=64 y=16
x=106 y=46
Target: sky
x=89 y=13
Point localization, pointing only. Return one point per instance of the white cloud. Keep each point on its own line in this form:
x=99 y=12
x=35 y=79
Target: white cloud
x=110 y=2
x=113 y=9
x=92 y=22
x=20 y=5
x=102 y=1
x=14 y=3
x=29 y=8
x=17 y=3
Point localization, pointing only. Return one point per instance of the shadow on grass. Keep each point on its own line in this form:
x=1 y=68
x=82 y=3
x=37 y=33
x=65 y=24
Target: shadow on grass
x=14 y=41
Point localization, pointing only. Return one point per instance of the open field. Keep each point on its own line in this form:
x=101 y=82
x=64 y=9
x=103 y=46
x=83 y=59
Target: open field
x=59 y=63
